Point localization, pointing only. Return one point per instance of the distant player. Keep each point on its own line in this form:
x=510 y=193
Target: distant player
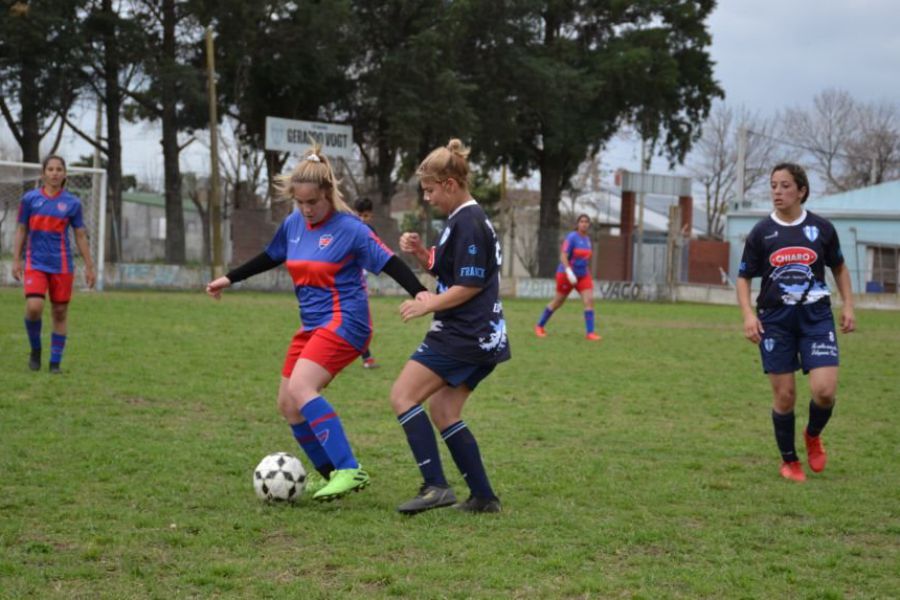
x=573 y=272
x=325 y=248
x=363 y=208
x=793 y=324
x=466 y=340
x=45 y=216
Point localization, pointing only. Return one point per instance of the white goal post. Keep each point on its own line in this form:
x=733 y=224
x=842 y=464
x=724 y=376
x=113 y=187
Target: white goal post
x=87 y=183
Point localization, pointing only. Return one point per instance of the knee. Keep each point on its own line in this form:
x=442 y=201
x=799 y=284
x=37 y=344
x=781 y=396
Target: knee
x=60 y=311
x=785 y=400
x=824 y=395
x=401 y=399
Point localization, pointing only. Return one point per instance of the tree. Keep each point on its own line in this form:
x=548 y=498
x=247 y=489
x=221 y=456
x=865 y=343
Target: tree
x=556 y=79
x=173 y=93
x=850 y=144
x=112 y=54
x=283 y=59
x=408 y=97
x=39 y=41
x=714 y=159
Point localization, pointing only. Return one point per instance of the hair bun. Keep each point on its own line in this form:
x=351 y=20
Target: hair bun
x=457 y=147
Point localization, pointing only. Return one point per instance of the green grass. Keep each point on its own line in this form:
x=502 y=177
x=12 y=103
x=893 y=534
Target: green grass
x=640 y=467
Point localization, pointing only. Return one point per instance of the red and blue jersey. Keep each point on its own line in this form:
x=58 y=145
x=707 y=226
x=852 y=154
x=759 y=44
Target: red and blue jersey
x=326 y=263
x=577 y=248
x=48 y=218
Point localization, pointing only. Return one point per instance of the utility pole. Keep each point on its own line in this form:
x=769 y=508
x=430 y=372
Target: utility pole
x=215 y=203
x=645 y=166
x=95 y=195
x=741 y=164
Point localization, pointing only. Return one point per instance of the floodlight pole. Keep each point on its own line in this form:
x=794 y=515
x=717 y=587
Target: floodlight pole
x=215 y=214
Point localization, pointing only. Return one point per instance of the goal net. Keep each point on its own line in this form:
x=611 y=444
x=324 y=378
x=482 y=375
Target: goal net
x=88 y=184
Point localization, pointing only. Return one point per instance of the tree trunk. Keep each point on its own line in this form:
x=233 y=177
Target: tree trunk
x=385 y=174
x=174 y=206
x=548 y=229
x=31 y=127
x=113 y=105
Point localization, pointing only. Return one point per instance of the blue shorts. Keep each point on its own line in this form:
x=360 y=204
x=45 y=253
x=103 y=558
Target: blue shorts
x=798 y=336
x=454 y=372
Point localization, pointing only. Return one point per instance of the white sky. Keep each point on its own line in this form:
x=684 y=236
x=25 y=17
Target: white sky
x=769 y=55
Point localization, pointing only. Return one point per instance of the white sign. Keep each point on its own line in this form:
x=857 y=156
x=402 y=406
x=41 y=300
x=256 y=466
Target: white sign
x=288 y=135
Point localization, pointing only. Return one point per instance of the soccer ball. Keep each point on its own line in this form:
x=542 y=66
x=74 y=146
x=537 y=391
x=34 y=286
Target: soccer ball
x=279 y=477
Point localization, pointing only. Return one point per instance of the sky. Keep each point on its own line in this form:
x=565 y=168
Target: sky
x=769 y=55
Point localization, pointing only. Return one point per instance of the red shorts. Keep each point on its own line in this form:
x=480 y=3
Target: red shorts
x=323 y=347
x=585 y=282
x=37 y=283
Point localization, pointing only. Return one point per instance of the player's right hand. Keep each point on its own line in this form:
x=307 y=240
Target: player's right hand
x=753 y=329
x=214 y=288
x=411 y=243
x=570 y=274
x=17 y=271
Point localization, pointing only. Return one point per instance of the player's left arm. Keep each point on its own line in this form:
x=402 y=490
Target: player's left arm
x=455 y=295
x=84 y=248
x=834 y=259
x=842 y=279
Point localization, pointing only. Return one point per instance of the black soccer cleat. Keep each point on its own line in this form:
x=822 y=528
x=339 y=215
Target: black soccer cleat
x=54 y=369
x=34 y=362
x=479 y=505
x=430 y=496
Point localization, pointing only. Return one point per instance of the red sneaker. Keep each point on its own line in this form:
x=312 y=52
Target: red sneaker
x=539 y=331
x=370 y=363
x=793 y=471
x=593 y=337
x=815 y=452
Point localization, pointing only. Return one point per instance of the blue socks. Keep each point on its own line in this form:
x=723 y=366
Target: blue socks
x=34 y=333
x=327 y=427
x=420 y=435
x=467 y=457
x=589 y=321
x=545 y=316
x=304 y=435
x=57 y=345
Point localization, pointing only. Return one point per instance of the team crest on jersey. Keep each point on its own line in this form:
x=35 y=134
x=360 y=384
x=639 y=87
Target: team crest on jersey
x=768 y=344
x=325 y=241
x=811 y=232
x=61 y=206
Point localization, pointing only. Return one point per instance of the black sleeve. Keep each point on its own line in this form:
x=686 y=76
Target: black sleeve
x=258 y=264
x=402 y=274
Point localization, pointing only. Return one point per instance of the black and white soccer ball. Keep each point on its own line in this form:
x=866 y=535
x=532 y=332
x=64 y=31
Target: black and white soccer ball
x=279 y=477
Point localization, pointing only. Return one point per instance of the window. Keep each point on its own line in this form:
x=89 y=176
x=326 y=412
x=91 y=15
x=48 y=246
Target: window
x=158 y=228
x=883 y=266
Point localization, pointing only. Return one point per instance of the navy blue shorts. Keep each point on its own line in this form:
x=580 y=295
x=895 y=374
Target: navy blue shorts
x=798 y=336
x=454 y=372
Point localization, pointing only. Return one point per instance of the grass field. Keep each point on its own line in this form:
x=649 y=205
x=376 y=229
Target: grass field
x=640 y=467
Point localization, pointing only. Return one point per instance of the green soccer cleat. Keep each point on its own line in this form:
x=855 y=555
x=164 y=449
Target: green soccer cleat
x=313 y=485
x=341 y=483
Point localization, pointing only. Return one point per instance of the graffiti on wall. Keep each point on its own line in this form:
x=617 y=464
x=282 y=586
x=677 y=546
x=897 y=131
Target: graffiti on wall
x=603 y=290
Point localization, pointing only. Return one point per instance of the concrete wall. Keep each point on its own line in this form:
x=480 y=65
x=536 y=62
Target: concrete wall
x=173 y=277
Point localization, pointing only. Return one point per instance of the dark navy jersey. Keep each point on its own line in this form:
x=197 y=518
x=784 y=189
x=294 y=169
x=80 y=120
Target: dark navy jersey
x=791 y=259
x=468 y=254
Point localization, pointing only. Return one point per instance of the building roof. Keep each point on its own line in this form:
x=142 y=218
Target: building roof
x=154 y=199
x=876 y=201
